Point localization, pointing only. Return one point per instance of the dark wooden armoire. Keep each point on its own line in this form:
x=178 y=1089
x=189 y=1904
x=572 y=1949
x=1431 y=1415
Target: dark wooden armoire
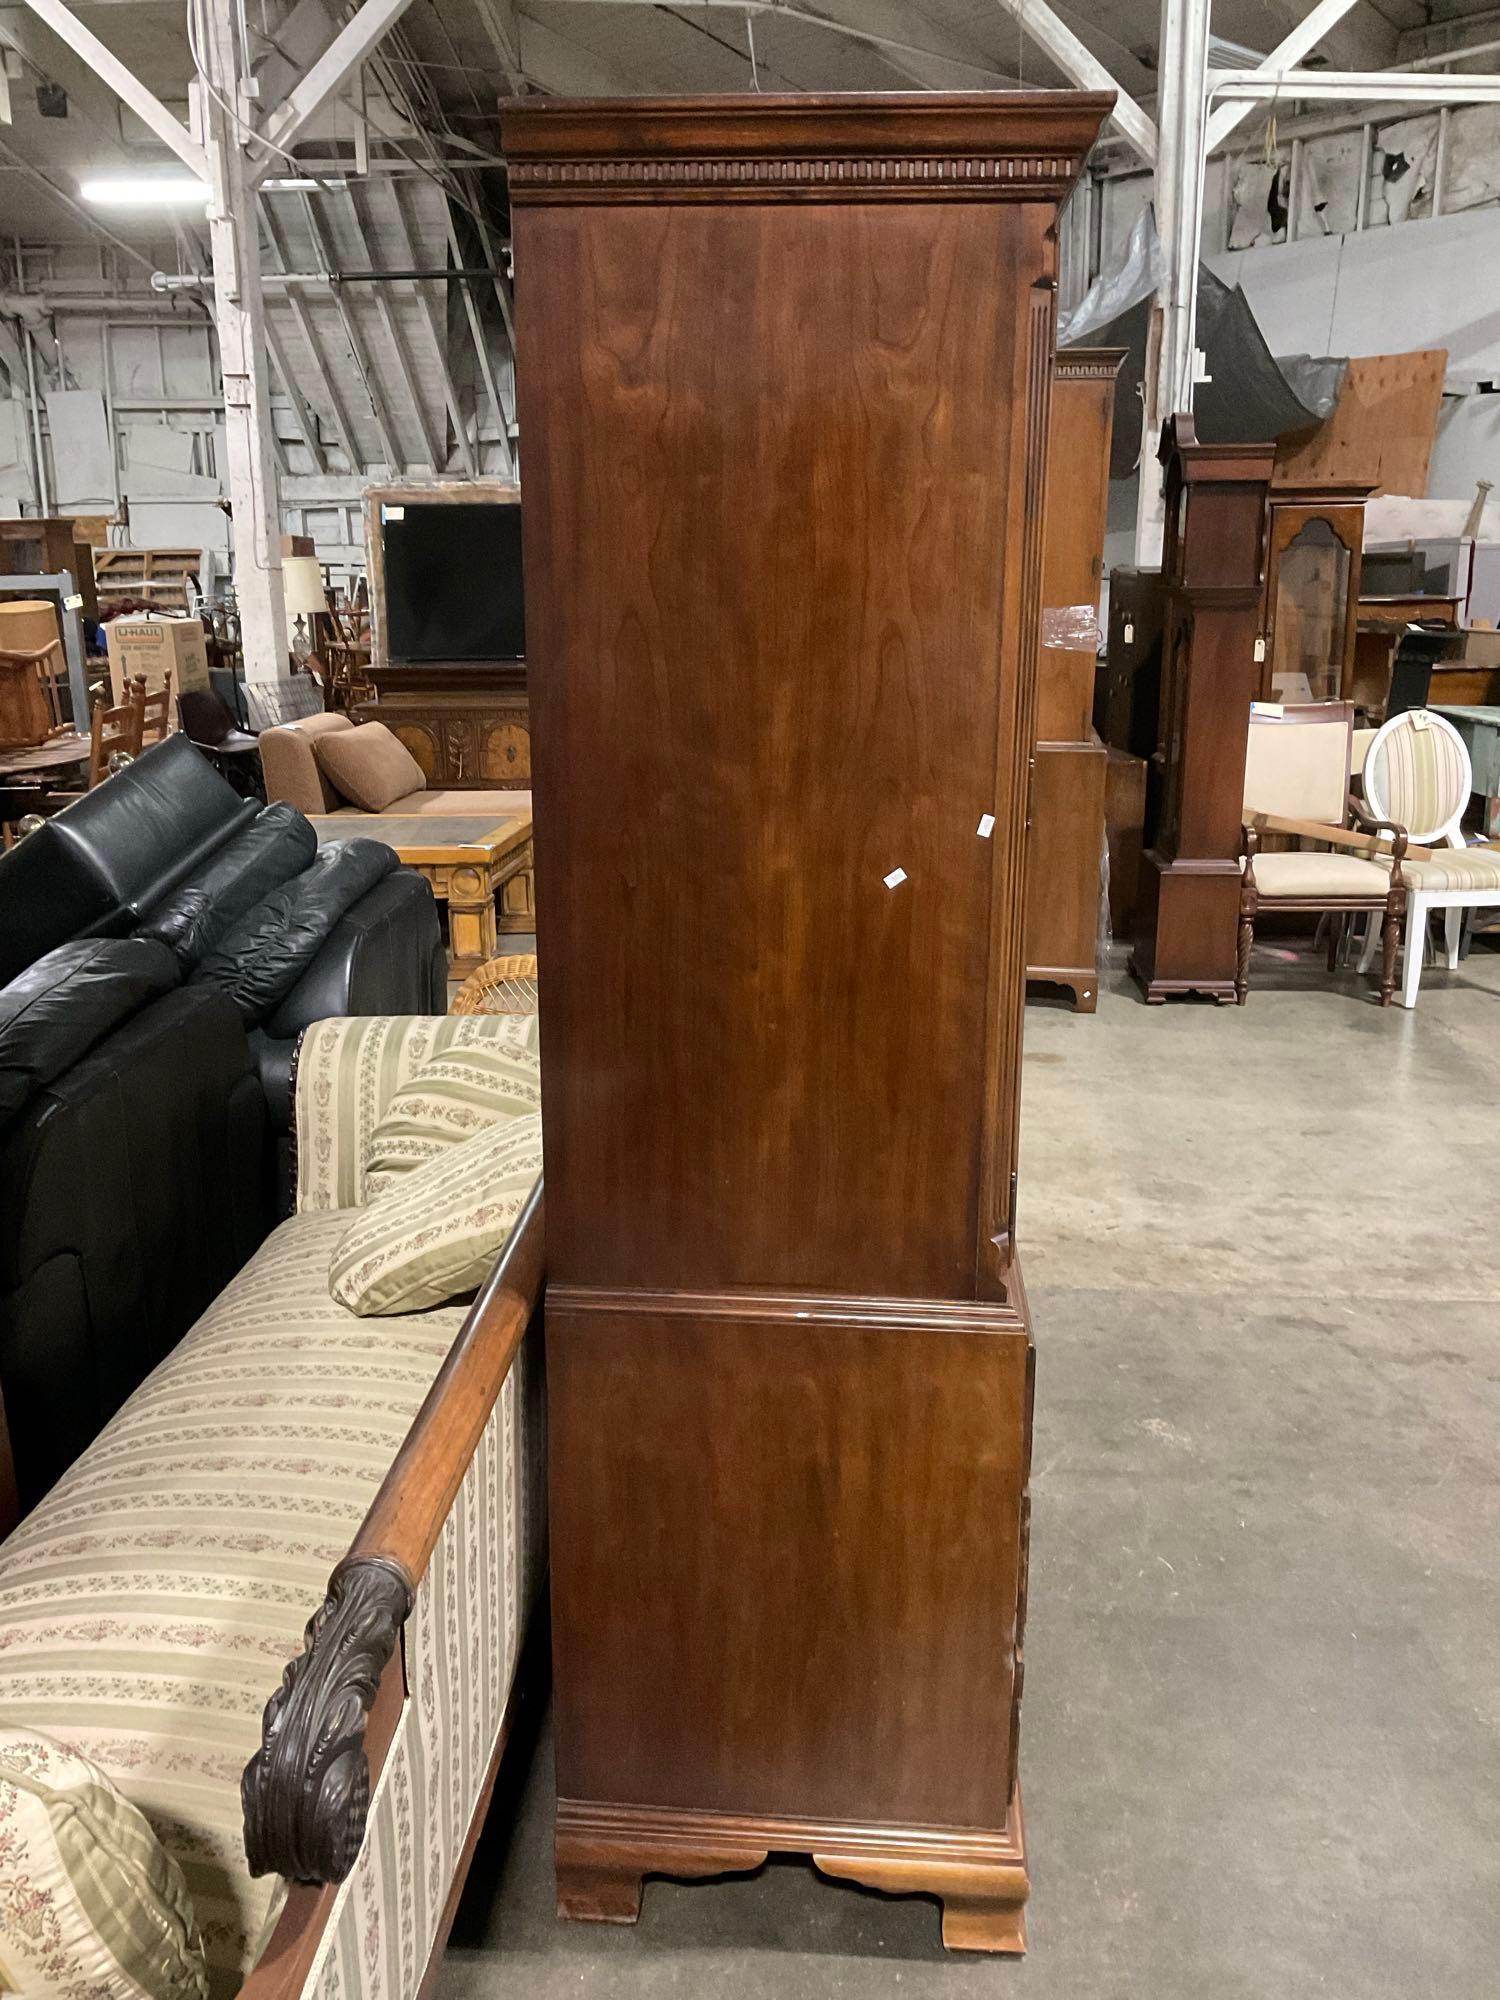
x=1188 y=914
x=783 y=367
x=1067 y=800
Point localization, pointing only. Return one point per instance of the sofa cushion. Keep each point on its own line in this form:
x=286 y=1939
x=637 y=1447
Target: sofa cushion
x=191 y=919
x=265 y=954
x=290 y=765
x=369 y=765
x=149 y=1605
x=1312 y=872
x=1458 y=871
x=90 y=1901
x=453 y=1095
x=67 y=1001
x=436 y=1234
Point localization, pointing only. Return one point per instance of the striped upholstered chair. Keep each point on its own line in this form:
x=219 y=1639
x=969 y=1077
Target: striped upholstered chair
x=1417 y=773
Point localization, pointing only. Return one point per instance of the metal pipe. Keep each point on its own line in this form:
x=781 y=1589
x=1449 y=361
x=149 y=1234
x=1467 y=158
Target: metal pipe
x=107 y=363
x=187 y=281
x=43 y=488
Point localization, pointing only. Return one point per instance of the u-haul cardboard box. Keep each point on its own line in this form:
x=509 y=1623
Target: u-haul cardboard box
x=153 y=647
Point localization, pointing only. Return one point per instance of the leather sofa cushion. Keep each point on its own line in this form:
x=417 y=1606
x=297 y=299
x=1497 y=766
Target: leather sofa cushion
x=369 y=765
x=98 y=865
x=276 y=846
x=132 y=1188
x=67 y=1001
x=267 y=952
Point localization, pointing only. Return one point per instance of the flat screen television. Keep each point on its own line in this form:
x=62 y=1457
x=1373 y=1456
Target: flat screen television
x=453 y=582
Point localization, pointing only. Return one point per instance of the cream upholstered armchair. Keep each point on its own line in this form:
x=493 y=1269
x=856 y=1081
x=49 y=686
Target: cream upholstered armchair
x=1417 y=771
x=1297 y=783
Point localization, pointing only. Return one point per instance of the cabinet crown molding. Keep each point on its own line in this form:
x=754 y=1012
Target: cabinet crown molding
x=898 y=146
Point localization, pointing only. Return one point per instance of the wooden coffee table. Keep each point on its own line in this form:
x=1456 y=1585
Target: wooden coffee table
x=480 y=866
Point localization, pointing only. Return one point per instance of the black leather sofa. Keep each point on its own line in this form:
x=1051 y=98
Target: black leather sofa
x=163 y=942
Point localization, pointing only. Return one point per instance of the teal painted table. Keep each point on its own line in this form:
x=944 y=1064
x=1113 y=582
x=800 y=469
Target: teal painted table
x=1480 y=729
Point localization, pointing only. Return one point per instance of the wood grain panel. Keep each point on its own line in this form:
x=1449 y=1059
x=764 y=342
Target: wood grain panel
x=1066 y=856
x=749 y=650
x=838 y=1639
x=1083 y=410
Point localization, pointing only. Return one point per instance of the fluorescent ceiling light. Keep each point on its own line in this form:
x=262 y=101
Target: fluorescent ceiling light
x=300 y=184
x=148 y=191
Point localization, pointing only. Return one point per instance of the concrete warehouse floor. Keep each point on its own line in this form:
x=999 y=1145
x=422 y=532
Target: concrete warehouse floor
x=1261 y=1740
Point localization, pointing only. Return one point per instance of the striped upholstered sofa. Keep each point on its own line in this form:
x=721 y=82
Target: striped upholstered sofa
x=382 y=1477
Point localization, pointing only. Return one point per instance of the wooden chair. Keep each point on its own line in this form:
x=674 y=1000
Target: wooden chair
x=30 y=706
x=155 y=705
x=499 y=986
x=1417 y=770
x=112 y=732
x=1297 y=782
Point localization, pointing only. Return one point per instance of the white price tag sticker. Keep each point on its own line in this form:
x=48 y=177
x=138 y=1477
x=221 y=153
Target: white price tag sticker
x=1267 y=708
x=1129 y=632
x=1260 y=649
x=1420 y=719
x=392 y=513
x=986 y=825
x=74 y=602
x=896 y=877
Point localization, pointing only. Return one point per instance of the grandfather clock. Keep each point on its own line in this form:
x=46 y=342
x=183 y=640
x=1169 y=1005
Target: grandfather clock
x=783 y=367
x=1211 y=577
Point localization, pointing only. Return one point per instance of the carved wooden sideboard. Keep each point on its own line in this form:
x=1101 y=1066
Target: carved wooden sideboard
x=1187 y=922
x=468 y=731
x=791 y=359
x=1067 y=802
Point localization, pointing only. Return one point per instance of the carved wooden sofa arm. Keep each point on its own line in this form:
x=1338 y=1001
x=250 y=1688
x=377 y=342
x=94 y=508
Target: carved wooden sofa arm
x=306 y=1791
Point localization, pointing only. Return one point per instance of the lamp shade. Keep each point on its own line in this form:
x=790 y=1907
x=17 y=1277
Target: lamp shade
x=305 y=595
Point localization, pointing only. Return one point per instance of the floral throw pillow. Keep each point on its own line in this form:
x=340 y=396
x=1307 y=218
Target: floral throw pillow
x=477 y=1079
x=437 y=1232
x=92 y=1907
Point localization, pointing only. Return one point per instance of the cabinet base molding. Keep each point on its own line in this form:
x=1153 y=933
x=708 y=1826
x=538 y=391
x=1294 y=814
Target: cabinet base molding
x=605 y=1852
x=1081 y=981
x=1187 y=929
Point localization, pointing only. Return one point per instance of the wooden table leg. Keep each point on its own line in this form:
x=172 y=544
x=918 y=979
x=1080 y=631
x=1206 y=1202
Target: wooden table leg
x=472 y=934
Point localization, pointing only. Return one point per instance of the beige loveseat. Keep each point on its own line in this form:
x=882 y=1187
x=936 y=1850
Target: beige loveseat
x=293 y=774
x=149 y=1604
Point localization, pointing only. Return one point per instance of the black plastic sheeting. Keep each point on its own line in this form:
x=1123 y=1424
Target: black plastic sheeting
x=1250 y=397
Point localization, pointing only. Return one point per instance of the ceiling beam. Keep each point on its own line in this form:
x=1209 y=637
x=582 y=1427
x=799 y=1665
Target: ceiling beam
x=1055 y=38
x=124 y=83
x=1288 y=52
x=328 y=75
x=1358 y=86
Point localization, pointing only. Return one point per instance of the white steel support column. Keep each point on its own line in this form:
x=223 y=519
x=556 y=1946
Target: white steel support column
x=244 y=352
x=1180 y=117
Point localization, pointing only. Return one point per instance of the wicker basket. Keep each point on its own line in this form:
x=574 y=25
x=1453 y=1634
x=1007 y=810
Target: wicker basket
x=499 y=986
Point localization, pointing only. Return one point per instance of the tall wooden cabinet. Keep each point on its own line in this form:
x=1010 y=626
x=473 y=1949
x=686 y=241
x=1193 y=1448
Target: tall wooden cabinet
x=1067 y=803
x=1188 y=915
x=783 y=367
